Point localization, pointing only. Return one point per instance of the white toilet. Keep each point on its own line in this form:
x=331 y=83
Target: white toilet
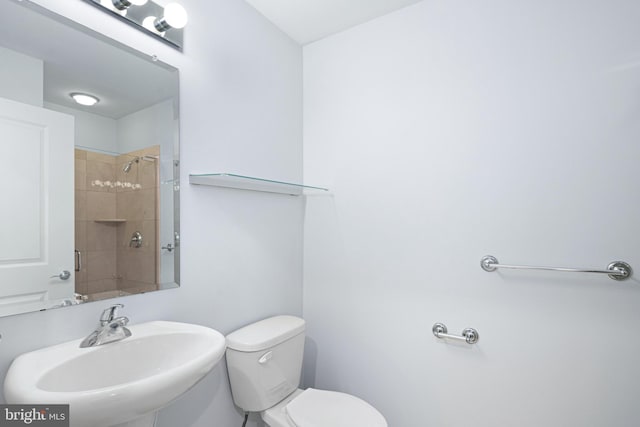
x=264 y=360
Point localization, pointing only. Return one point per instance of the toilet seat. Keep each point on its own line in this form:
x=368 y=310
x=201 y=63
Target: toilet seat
x=321 y=408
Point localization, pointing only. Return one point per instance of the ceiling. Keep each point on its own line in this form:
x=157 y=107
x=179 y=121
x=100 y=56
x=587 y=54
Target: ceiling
x=306 y=21
x=75 y=61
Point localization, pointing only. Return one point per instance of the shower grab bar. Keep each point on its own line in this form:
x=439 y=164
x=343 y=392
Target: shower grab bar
x=469 y=335
x=617 y=270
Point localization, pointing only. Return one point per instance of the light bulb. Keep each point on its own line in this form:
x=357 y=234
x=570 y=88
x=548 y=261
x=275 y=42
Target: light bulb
x=148 y=22
x=174 y=17
x=138 y=2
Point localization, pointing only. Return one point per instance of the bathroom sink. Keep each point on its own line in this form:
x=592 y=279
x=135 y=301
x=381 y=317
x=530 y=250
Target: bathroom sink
x=116 y=383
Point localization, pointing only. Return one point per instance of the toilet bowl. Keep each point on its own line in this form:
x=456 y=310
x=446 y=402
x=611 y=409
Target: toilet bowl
x=264 y=361
x=321 y=408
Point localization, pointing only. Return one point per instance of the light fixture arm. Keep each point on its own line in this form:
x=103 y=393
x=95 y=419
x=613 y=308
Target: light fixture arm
x=161 y=25
x=121 y=4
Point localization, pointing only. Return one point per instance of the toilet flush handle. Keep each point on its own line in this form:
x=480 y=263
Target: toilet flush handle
x=265 y=357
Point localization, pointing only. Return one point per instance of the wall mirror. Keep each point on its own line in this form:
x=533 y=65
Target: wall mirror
x=90 y=192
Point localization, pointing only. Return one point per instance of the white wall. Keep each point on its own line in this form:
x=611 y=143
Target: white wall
x=21 y=77
x=241 y=251
x=448 y=131
x=151 y=126
x=92 y=131
x=147 y=127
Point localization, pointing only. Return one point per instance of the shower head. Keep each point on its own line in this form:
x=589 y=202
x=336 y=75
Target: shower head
x=127 y=166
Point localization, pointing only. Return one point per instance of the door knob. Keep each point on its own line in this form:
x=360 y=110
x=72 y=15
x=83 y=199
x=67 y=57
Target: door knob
x=64 y=275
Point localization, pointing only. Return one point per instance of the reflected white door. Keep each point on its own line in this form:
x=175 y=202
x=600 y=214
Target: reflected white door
x=36 y=214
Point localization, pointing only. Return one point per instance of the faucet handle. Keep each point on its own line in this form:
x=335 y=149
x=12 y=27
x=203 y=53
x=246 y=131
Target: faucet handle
x=119 y=322
x=109 y=314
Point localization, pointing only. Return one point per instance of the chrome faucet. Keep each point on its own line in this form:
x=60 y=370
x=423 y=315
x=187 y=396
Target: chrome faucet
x=111 y=328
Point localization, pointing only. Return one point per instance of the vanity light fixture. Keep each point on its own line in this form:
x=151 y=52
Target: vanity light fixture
x=166 y=23
x=84 y=98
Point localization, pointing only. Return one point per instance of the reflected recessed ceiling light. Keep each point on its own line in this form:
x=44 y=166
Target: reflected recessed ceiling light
x=84 y=99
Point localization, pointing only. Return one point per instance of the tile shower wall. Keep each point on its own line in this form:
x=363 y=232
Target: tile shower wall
x=138 y=267
x=107 y=216
x=95 y=230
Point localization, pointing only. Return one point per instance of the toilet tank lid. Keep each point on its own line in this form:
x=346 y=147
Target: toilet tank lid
x=265 y=333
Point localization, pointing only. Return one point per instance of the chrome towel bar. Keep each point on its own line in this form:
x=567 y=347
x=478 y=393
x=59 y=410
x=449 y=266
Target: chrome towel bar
x=617 y=270
x=469 y=335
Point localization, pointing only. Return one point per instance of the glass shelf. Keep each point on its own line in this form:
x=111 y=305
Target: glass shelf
x=241 y=182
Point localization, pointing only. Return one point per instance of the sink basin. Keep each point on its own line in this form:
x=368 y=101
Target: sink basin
x=116 y=383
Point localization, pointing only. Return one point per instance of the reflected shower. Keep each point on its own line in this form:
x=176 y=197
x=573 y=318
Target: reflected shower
x=127 y=166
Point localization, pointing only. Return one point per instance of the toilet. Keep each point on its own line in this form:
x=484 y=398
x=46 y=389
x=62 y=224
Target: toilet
x=264 y=360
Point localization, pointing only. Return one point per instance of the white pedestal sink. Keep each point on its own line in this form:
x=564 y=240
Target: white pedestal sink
x=123 y=383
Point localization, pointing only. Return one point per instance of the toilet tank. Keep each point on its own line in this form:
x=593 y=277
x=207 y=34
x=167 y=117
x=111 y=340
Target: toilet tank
x=264 y=360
